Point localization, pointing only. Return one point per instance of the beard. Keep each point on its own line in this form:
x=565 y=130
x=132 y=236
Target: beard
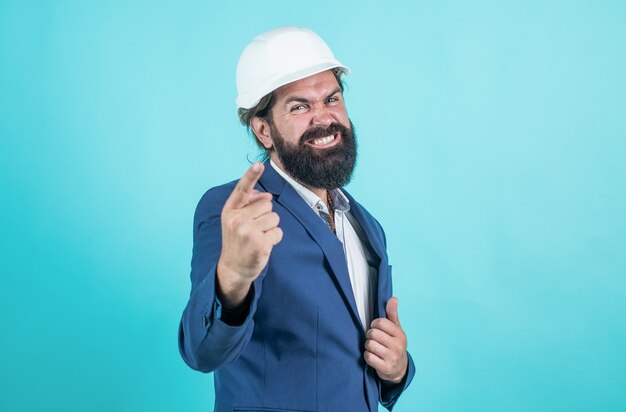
x=327 y=169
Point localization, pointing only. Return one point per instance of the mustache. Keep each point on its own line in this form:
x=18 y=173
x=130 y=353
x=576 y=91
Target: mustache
x=317 y=132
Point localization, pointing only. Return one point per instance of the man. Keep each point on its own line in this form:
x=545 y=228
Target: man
x=291 y=288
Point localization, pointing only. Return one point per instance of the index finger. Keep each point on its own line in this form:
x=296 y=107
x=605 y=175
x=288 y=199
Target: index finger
x=386 y=326
x=244 y=188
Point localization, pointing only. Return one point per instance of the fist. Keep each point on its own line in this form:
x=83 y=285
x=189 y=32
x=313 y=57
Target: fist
x=385 y=347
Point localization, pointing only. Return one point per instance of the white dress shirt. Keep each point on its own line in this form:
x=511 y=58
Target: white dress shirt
x=359 y=258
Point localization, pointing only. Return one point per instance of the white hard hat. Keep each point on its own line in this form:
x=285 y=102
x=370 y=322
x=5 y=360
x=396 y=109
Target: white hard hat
x=278 y=57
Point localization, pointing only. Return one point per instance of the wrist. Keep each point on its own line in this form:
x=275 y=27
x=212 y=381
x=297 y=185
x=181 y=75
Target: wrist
x=397 y=380
x=231 y=288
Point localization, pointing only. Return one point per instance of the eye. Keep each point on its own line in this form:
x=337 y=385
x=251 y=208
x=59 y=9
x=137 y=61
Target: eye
x=298 y=108
x=332 y=99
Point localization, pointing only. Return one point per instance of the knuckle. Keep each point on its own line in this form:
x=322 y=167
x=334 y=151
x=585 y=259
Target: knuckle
x=373 y=334
x=240 y=229
x=275 y=218
x=233 y=221
x=243 y=183
x=239 y=190
x=264 y=207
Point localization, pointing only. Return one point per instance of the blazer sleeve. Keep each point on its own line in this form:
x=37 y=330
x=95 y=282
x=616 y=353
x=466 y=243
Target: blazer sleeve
x=388 y=396
x=204 y=340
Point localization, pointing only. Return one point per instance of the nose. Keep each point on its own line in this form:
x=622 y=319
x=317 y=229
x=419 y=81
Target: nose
x=321 y=116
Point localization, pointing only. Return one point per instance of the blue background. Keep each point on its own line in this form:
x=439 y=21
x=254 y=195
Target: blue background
x=491 y=149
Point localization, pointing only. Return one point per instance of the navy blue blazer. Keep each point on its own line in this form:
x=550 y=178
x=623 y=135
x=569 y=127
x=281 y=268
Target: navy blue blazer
x=301 y=346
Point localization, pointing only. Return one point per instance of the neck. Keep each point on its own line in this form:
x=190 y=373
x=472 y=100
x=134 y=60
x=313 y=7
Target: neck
x=321 y=193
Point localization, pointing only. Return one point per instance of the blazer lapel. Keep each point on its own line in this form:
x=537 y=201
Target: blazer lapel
x=321 y=234
x=374 y=237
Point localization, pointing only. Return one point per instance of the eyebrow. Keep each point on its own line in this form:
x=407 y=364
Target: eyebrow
x=305 y=100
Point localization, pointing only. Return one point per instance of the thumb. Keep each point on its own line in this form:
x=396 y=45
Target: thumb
x=392 y=310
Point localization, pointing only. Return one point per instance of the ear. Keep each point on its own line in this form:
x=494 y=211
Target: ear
x=261 y=129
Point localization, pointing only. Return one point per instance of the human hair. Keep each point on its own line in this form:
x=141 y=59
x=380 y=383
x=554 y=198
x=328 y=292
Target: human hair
x=263 y=109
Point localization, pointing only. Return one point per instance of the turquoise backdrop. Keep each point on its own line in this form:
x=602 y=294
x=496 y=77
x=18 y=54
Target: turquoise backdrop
x=492 y=149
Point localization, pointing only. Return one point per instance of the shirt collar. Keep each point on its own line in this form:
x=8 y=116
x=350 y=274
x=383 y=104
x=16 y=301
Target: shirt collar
x=340 y=201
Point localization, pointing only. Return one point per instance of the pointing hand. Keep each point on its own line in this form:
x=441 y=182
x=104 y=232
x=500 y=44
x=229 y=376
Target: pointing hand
x=249 y=232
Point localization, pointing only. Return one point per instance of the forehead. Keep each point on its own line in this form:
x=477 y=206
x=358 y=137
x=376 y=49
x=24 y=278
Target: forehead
x=312 y=87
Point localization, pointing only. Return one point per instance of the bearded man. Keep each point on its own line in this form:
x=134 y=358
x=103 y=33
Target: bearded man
x=291 y=302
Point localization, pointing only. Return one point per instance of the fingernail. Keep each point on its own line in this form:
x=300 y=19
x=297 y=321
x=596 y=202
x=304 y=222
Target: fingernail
x=256 y=167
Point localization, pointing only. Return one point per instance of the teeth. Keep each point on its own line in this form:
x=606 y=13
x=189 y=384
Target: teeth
x=323 y=140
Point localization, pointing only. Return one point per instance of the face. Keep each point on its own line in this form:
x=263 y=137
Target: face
x=309 y=134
